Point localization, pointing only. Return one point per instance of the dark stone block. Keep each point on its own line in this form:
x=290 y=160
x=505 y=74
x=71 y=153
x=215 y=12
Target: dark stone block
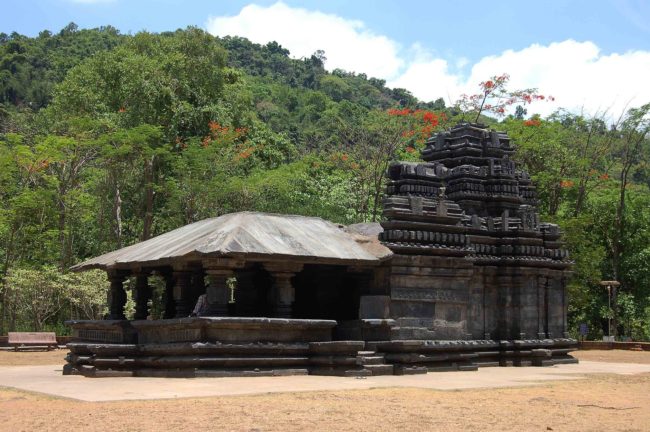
x=336 y=347
x=374 y=307
x=409 y=370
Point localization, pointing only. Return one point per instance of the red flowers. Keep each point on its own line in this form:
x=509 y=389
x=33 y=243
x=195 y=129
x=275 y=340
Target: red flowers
x=430 y=117
x=532 y=122
x=421 y=123
x=566 y=183
x=410 y=149
x=229 y=139
x=397 y=112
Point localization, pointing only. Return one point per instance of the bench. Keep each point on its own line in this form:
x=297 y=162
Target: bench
x=32 y=339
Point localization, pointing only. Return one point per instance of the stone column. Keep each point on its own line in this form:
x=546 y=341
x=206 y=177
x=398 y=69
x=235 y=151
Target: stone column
x=142 y=295
x=218 y=292
x=182 y=288
x=170 y=304
x=283 y=293
x=541 y=307
x=504 y=307
x=116 y=295
x=565 y=306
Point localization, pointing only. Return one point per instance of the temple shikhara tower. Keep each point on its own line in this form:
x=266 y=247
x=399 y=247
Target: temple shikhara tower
x=460 y=273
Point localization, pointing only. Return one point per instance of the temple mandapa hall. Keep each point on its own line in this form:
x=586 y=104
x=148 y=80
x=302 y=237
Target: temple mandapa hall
x=460 y=274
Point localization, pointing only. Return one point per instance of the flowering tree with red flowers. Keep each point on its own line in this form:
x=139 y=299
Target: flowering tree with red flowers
x=228 y=137
x=418 y=125
x=495 y=98
x=372 y=144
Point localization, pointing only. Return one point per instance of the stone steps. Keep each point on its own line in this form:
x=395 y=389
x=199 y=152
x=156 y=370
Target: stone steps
x=370 y=358
x=380 y=369
x=374 y=362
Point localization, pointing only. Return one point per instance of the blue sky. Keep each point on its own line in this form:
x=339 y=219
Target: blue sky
x=433 y=48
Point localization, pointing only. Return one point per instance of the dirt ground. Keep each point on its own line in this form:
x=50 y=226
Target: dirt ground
x=599 y=402
x=614 y=356
x=32 y=357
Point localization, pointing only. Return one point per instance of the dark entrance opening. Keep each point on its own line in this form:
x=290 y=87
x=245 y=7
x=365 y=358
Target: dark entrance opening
x=252 y=292
x=326 y=292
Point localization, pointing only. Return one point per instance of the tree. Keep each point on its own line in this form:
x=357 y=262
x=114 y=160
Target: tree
x=38 y=294
x=86 y=295
x=633 y=149
x=374 y=142
x=150 y=79
x=495 y=98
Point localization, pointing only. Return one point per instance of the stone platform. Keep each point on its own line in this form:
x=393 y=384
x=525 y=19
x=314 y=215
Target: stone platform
x=223 y=347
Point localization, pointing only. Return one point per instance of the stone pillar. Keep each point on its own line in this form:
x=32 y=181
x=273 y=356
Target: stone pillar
x=116 y=295
x=142 y=295
x=170 y=304
x=218 y=292
x=504 y=307
x=182 y=293
x=541 y=307
x=283 y=292
x=565 y=307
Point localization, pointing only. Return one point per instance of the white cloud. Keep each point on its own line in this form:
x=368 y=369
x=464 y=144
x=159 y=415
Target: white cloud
x=348 y=44
x=429 y=80
x=577 y=74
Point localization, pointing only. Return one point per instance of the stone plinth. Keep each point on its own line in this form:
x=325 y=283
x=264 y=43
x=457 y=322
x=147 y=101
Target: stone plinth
x=267 y=329
x=106 y=331
x=170 y=330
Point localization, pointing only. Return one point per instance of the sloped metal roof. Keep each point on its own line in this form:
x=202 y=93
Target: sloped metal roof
x=251 y=236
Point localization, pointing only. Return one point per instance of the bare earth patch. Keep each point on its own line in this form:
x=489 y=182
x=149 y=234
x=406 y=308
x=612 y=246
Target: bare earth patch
x=32 y=358
x=599 y=402
x=613 y=356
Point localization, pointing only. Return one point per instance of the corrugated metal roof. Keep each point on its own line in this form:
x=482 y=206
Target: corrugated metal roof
x=252 y=235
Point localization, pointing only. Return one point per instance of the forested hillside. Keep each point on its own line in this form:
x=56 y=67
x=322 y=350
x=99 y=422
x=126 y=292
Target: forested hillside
x=108 y=139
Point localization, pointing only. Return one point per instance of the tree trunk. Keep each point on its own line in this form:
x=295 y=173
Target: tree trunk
x=3 y=280
x=148 y=199
x=117 y=211
x=63 y=259
x=554 y=201
x=13 y=312
x=580 y=199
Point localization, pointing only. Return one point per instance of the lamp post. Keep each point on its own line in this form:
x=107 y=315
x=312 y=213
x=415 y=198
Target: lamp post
x=611 y=288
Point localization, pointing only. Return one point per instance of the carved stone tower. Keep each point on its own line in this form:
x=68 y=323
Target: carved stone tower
x=473 y=261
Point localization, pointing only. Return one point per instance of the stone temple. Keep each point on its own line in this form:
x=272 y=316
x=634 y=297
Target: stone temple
x=460 y=273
